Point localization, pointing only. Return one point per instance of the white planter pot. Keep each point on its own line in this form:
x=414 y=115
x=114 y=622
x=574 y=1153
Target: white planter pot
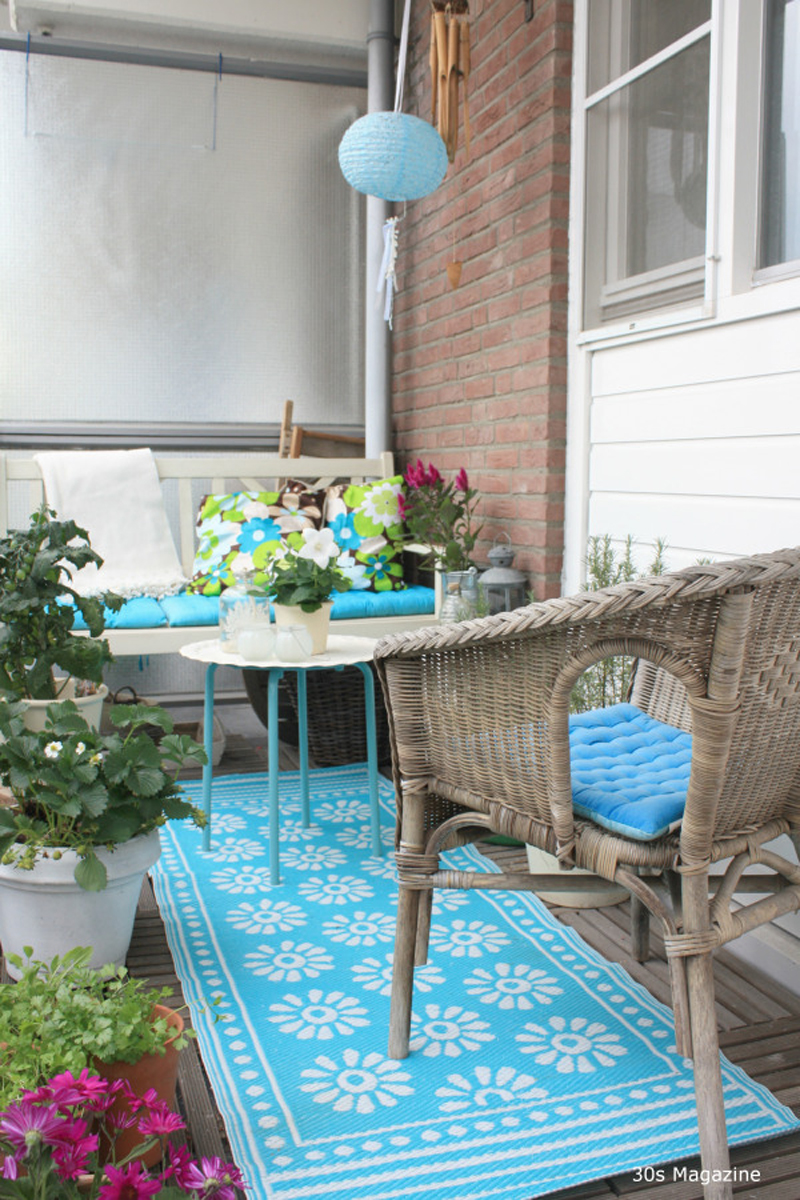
x=91 y=707
x=317 y=623
x=542 y=863
x=47 y=910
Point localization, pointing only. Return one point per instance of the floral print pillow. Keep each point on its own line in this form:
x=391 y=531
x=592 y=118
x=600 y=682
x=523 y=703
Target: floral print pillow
x=240 y=532
x=366 y=523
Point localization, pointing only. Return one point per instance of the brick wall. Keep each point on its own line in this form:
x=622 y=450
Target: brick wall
x=479 y=372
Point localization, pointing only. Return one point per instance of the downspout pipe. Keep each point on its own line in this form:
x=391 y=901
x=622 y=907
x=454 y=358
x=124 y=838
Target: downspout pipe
x=377 y=338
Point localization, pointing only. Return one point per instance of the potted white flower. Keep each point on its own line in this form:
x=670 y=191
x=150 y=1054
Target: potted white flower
x=302 y=581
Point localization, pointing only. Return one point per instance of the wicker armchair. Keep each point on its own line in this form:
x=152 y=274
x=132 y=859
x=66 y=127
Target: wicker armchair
x=479 y=725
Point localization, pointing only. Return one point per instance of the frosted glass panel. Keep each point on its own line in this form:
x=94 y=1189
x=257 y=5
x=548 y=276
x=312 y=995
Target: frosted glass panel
x=176 y=248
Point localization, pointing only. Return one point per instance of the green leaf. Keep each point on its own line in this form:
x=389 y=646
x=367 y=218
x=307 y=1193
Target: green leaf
x=91 y=874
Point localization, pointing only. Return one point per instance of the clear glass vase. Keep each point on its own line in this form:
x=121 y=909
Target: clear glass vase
x=242 y=607
x=459 y=595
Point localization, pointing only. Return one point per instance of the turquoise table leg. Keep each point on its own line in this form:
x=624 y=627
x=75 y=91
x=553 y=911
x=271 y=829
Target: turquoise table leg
x=372 y=757
x=302 y=729
x=208 y=742
x=274 y=677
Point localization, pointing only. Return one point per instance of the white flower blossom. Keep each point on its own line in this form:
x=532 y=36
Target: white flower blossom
x=53 y=749
x=319 y=545
x=80 y=747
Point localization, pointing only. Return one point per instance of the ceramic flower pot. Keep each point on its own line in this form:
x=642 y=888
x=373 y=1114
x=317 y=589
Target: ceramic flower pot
x=46 y=909
x=90 y=707
x=317 y=623
x=156 y=1071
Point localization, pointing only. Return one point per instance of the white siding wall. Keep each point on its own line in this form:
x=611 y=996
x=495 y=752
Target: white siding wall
x=695 y=437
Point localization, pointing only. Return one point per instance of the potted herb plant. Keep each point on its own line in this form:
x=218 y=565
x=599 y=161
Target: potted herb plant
x=82 y=827
x=38 y=609
x=301 y=582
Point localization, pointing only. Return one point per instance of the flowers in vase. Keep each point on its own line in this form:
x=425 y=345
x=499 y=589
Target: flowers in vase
x=440 y=515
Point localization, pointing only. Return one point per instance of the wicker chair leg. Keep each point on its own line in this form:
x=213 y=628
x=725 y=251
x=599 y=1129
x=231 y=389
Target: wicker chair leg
x=640 y=930
x=403 y=972
x=412 y=836
x=714 y=1153
x=423 y=927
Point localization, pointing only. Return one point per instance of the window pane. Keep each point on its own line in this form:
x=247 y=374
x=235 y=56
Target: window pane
x=780 y=185
x=647 y=157
x=624 y=33
x=175 y=248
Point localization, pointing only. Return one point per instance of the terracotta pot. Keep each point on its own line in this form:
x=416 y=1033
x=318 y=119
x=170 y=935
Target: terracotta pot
x=156 y=1071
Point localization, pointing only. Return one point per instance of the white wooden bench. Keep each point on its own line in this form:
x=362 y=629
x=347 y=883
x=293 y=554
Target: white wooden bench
x=184 y=481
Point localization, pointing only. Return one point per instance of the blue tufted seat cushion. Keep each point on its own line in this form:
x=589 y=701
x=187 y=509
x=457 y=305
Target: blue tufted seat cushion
x=188 y=608
x=629 y=772
x=140 y=612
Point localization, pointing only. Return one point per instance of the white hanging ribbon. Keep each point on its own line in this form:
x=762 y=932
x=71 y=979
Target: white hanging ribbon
x=387 y=278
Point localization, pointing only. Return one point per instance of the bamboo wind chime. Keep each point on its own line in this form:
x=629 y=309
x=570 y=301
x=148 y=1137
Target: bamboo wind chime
x=450 y=67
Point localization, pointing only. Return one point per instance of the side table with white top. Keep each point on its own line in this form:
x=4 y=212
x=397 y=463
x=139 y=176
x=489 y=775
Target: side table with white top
x=340 y=652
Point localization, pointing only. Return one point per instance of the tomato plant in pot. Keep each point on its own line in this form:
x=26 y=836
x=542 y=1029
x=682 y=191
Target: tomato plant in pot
x=82 y=828
x=38 y=611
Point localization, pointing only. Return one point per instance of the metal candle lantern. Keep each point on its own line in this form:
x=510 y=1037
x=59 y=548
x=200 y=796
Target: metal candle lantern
x=504 y=588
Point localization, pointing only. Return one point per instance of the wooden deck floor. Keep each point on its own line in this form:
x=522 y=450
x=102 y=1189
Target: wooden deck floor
x=759 y=1022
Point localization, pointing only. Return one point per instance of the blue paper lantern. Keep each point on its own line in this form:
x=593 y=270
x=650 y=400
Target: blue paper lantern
x=393 y=155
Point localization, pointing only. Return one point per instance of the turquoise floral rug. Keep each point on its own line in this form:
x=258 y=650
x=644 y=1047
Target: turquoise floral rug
x=535 y=1064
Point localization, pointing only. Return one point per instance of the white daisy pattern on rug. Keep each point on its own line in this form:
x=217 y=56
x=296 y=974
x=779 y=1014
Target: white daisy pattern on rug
x=575 y=1045
x=513 y=985
x=290 y=962
x=534 y=1065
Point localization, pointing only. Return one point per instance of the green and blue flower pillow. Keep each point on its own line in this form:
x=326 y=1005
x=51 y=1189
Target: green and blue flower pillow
x=241 y=531
x=365 y=519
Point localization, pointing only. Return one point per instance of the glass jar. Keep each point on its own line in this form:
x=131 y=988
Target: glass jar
x=242 y=607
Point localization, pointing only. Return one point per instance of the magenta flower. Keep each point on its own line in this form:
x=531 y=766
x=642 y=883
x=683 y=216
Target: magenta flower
x=433 y=476
x=220 y=1179
x=9 y=1168
x=65 y=1090
x=129 y=1183
x=415 y=475
x=72 y=1160
x=26 y=1125
x=462 y=482
x=185 y=1171
x=160 y=1121
x=146 y=1100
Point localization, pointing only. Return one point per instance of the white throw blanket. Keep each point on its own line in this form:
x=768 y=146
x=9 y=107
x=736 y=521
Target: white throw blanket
x=115 y=495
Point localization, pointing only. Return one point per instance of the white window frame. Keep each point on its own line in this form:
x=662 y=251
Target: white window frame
x=632 y=291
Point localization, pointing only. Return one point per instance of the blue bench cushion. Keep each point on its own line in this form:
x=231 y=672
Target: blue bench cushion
x=189 y=608
x=141 y=612
x=629 y=772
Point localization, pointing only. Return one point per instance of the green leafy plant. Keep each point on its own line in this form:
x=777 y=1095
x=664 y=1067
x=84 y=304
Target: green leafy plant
x=78 y=789
x=607 y=682
x=307 y=576
x=63 y=1015
x=440 y=515
x=38 y=606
